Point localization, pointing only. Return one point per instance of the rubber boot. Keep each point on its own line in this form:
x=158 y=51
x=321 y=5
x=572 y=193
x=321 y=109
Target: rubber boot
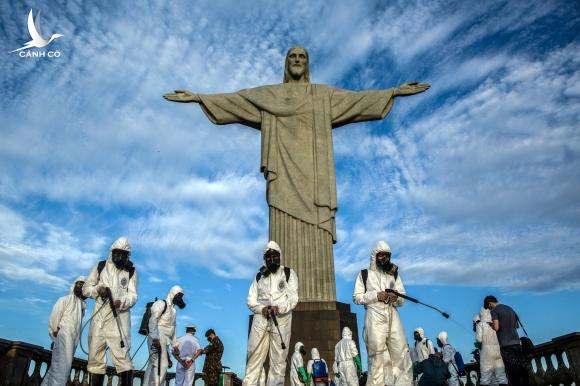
x=126 y=378
x=96 y=379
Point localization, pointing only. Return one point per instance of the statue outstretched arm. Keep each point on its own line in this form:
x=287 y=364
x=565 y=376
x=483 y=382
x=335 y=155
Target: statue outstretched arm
x=411 y=88
x=221 y=109
x=182 y=96
x=359 y=106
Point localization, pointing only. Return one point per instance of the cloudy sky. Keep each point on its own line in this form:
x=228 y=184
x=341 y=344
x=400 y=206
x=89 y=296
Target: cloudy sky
x=475 y=184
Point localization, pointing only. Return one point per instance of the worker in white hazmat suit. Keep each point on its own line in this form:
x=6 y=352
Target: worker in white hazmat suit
x=448 y=357
x=317 y=379
x=273 y=294
x=298 y=374
x=115 y=277
x=64 y=329
x=186 y=349
x=347 y=359
x=161 y=335
x=384 y=336
x=491 y=365
x=423 y=346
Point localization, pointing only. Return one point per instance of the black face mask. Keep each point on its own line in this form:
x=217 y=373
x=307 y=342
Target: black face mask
x=272 y=260
x=121 y=259
x=209 y=339
x=417 y=336
x=439 y=343
x=78 y=291
x=302 y=350
x=178 y=301
x=272 y=265
x=384 y=264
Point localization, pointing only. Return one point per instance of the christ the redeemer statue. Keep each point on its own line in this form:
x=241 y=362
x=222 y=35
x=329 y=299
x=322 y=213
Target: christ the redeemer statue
x=296 y=119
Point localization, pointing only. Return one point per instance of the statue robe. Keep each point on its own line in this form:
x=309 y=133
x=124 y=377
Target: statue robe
x=297 y=159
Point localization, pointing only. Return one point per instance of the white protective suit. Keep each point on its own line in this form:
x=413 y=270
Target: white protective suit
x=344 y=352
x=492 y=368
x=162 y=327
x=103 y=331
x=449 y=358
x=188 y=345
x=384 y=336
x=271 y=290
x=423 y=348
x=315 y=355
x=296 y=363
x=65 y=321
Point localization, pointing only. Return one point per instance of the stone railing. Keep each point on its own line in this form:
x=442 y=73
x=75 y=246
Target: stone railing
x=553 y=363
x=557 y=362
x=24 y=364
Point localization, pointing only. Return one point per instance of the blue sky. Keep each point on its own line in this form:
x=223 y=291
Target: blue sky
x=475 y=184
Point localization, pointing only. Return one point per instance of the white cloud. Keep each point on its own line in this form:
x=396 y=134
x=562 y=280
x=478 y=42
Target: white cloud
x=35 y=301
x=493 y=142
x=483 y=191
x=213 y=306
x=43 y=253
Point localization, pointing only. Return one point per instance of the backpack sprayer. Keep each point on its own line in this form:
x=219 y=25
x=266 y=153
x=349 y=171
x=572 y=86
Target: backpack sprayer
x=392 y=291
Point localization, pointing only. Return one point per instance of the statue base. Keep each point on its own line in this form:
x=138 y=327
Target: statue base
x=319 y=324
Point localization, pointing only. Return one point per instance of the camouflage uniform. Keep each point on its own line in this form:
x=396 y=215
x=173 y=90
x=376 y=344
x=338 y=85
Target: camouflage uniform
x=212 y=367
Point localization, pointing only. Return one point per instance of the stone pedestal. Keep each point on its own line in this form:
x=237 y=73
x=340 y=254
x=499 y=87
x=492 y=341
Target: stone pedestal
x=319 y=324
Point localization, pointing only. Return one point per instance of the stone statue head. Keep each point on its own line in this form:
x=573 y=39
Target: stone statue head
x=297 y=65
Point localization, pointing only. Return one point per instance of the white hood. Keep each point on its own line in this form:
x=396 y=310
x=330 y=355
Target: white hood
x=442 y=336
x=274 y=246
x=297 y=346
x=346 y=333
x=121 y=243
x=80 y=278
x=172 y=292
x=421 y=332
x=314 y=354
x=485 y=315
x=381 y=246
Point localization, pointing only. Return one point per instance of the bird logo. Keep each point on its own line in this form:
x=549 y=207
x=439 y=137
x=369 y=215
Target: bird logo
x=34 y=30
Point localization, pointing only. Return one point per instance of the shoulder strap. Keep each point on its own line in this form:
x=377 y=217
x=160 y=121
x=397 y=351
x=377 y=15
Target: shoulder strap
x=165 y=307
x=102 y=264
x=520 y=323
x=426 y=342
x=100 y=268
x=364 y=274
x=286 y=273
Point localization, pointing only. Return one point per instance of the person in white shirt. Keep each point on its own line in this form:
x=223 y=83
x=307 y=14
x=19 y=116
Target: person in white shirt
x=186 y=350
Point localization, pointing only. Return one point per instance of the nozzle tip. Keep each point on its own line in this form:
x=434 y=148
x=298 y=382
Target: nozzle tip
x=445 y=315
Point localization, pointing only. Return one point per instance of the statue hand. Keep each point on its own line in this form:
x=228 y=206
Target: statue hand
x=182 y=96
x=411 y=88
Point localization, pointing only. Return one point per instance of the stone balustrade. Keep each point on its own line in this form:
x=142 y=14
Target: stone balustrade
x=553 y=363
x=24 y=364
